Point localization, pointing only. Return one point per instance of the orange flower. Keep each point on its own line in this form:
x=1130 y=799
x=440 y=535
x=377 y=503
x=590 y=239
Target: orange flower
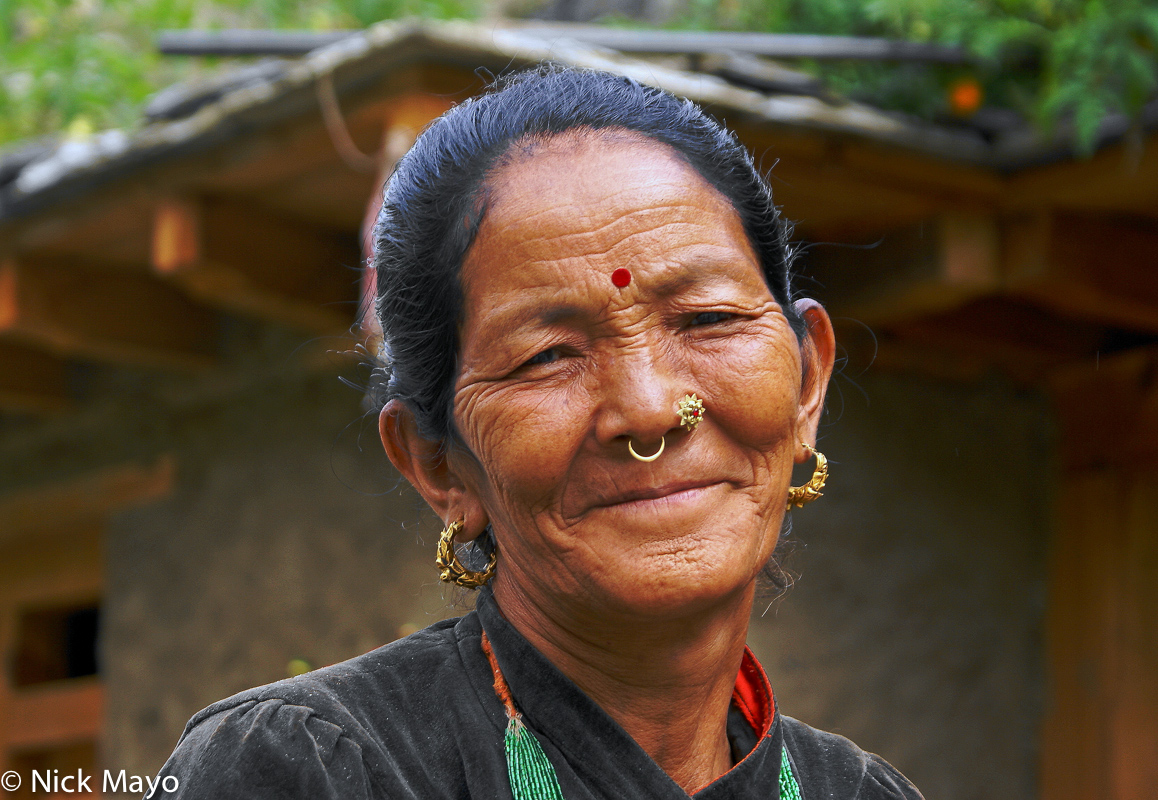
x=965 y=96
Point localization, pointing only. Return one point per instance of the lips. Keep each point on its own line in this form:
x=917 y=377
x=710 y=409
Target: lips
x=653 y=492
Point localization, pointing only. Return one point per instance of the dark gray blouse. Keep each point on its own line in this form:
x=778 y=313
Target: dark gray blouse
x=419 y=718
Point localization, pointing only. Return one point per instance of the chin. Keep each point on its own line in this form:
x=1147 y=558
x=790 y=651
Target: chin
x=680 y=585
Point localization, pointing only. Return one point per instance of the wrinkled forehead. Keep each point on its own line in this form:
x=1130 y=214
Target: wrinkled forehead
x=571 y=211
x=552 y=158
x=581 y=182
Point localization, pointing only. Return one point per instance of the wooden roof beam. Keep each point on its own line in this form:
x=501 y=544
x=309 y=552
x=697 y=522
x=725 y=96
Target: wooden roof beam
x=31 y=381
x=116 y=316
x=1100 y=269
x=243 y=259
x=93 y=495
x=1074 y=266
x=921 y=270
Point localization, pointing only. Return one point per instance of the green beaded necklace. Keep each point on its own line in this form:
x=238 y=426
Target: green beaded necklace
x=789 y=788
x=531 y=773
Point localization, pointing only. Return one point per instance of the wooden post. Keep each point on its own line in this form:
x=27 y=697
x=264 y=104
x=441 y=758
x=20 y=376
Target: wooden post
x=407 y=115
x=1100 y=733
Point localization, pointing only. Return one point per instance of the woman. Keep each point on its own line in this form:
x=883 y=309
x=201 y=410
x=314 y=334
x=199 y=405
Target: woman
x=595 y=373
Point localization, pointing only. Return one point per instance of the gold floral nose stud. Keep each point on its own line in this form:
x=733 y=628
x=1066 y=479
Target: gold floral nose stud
x=691 y=411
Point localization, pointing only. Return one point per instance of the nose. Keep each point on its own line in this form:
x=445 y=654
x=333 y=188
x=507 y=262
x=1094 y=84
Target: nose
x=638 y=390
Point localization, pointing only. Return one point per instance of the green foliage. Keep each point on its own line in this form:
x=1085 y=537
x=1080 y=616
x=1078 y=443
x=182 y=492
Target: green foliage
x=1075 y=60
x=81 y=65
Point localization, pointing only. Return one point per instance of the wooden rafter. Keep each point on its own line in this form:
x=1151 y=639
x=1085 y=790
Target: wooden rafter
x=1098 y=268
x=118 y=316
x=91 y=496
x=1076 y=267
x=243 y=259
x=921 y=270
x=31 y=380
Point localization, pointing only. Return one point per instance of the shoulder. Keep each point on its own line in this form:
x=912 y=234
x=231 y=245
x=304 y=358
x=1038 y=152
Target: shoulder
x=831 y=766
x=354 y=693
x=334 y=732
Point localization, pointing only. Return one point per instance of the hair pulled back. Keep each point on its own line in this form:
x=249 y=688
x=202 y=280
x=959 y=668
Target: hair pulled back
x=435 y=201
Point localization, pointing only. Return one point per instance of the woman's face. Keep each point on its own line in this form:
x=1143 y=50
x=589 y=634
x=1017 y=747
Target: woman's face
x=561 y=368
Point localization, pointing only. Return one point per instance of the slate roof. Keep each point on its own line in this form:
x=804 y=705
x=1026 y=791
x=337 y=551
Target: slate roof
x=189 y=117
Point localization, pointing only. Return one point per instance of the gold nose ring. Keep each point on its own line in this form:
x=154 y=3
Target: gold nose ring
x=653 y=457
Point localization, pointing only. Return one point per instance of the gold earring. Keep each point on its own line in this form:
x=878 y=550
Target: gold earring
x=451 y=570
x=652 y=457
x=691 y=411
x=799 y=495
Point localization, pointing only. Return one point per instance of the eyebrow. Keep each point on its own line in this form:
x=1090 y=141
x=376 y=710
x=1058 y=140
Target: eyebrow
x=554 y=314
x=546 y=313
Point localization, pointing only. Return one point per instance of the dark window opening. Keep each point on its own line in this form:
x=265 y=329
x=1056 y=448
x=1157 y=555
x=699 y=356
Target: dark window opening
x=55 y=644
x=66 y=759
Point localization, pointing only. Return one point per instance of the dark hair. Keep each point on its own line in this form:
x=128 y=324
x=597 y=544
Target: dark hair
x=435 y=201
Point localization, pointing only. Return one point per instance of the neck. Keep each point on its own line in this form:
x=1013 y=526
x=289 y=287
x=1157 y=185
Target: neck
x=667 y=681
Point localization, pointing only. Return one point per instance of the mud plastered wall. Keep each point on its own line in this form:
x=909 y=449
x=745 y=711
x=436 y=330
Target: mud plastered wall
x=914 y=628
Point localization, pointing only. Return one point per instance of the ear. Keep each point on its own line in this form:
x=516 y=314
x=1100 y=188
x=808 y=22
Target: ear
x=428 y=468
x=819 y=349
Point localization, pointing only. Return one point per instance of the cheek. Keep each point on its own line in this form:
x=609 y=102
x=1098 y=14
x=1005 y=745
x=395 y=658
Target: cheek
x=755 y=390
x=525 y=440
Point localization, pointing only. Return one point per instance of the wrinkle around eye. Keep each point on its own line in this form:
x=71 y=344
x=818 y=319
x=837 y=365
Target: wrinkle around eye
x=548 y=356
x=716 y=317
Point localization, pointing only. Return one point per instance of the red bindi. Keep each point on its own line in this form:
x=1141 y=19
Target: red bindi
x=621 y=277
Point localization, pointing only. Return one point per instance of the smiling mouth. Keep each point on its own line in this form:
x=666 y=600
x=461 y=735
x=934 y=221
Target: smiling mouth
x=673 y=492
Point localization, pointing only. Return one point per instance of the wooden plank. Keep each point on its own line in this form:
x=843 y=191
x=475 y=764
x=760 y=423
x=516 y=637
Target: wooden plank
x=241 y=258
x=1108 y=410
x=51 y=566
x=1078 y=621
x=1100 y=732
x=117 y=316
x=1121 y=178
x=332 y=195
x=1134 y=726
x=54 y=713
x=91 y=496
x=31 y=381
x=915 y=272
x=1096 y=271
x=113 y=230
x=946 y=183
x=1094 y=267
x=113 y=235
x=771 y=45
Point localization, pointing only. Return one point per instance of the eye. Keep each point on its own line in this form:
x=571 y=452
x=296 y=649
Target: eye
x=545 y=357
x=711 y=317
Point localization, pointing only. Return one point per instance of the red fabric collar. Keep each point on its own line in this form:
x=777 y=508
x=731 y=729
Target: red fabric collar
x=753 y=695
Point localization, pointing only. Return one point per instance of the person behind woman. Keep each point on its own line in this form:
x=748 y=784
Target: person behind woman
x=594 y=371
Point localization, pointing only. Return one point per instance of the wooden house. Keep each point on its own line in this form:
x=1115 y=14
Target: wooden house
x=191 y=502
